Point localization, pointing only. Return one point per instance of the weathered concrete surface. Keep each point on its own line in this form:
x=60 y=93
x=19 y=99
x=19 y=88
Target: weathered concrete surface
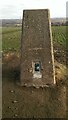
x=37 y=46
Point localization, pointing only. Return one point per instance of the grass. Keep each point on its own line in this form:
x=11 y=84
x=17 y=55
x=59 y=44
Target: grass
x=11 y=37
x=59 y=34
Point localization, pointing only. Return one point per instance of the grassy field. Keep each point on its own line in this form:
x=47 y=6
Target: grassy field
x=59 y=34
x=11 y=37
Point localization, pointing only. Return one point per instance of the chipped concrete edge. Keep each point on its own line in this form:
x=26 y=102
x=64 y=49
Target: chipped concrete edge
x=51 y=46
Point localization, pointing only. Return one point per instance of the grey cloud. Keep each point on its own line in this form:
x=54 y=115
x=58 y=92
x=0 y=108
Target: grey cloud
x=10 y=11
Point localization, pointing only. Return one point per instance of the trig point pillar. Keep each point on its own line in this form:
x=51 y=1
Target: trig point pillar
x=37 y=60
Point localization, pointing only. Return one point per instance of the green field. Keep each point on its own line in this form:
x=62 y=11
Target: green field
x=11 y=37
x=59 y=34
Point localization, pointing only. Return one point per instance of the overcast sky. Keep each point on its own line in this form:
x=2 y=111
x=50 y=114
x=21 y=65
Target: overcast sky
x=13 y=9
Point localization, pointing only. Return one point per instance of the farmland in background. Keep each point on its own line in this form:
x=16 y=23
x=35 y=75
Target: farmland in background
x=59 y=34
x=11 y=37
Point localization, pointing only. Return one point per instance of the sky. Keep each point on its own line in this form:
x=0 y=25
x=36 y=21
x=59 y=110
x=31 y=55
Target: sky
x=13 y=9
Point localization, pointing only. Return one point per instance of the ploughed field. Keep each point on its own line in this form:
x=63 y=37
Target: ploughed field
x=23 y=102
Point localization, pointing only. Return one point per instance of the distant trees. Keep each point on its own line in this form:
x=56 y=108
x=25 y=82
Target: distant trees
x=59 y=23
x=18 y=22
